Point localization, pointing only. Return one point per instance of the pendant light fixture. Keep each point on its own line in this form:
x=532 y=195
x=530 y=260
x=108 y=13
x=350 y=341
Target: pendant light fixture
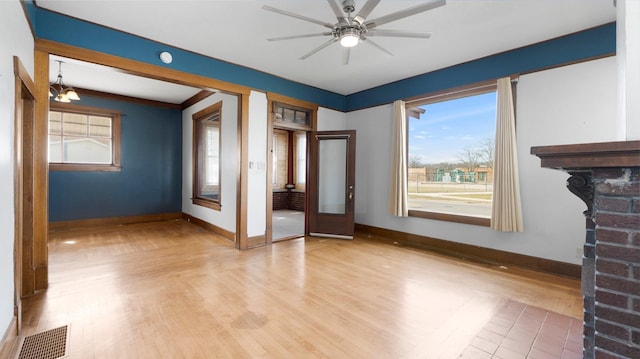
x=59 y=91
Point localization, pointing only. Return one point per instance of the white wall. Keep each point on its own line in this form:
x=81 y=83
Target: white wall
x=572 y=104
x=628 y=55
x=331 y=119
x=226 y=217
x=257 y=176
x=257 y=186
x=15 y=40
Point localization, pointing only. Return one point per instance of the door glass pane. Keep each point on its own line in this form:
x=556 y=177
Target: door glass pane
x=332 y=175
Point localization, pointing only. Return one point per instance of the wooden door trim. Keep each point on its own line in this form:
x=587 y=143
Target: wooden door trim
x=24 y=90
x=242 y=184
x=41 y=172
x=138 y=68
x=21 y=73
x=271 y=97
x=133 y=67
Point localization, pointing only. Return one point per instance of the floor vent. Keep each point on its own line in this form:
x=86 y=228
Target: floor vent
x=50 y=344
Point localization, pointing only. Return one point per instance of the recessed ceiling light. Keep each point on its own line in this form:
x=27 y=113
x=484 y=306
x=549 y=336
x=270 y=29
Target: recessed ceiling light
x=166 y=57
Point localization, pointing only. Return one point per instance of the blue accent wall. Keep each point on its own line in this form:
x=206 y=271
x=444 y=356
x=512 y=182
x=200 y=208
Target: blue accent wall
x=151 y=178
x=55 y=27
x=595 y=42
x=599 y=41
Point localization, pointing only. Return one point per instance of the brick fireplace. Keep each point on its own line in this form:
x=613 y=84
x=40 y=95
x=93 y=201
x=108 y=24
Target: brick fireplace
x=606 y=176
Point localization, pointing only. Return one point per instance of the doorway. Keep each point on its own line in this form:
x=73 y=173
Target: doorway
x=290 y=121
x=288 y=178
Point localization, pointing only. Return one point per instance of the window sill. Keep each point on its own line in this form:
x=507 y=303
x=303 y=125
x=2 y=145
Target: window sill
x=475 y=221
x=206 y=203
x=80 y=167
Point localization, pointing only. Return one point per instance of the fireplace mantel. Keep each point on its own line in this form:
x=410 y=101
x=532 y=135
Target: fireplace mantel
x=606 y=176
x=589 y=155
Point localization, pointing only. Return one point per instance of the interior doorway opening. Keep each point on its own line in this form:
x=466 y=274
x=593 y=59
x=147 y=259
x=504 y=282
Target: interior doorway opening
x=289 y=172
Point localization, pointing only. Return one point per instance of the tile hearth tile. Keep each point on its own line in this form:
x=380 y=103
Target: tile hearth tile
x=526 y=332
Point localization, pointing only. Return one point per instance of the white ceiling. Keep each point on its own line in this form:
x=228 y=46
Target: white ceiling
x=236 y=31
x=84 y=75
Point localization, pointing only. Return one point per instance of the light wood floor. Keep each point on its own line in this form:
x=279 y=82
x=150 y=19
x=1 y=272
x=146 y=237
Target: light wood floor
x=173 y=290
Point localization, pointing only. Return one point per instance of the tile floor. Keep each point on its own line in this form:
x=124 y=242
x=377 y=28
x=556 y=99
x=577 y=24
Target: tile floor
x=287 y=224
x=520 y=331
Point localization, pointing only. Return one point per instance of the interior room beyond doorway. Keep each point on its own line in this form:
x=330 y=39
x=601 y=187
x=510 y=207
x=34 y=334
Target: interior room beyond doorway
x=288 y=183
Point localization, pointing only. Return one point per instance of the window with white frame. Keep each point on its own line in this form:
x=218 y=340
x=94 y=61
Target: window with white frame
x=83 y=138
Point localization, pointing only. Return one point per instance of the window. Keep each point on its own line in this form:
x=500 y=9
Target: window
x=206 y=156
x=283 y=151
x=280 y=157
x=450 y=155
x=300 y=144
x=83 y=138
x=291 y=116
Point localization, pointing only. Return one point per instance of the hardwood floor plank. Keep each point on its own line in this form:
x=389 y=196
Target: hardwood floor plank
x=174 y=290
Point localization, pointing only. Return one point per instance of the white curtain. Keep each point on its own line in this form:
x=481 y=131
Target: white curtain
x=506 y=214
x=398 y=188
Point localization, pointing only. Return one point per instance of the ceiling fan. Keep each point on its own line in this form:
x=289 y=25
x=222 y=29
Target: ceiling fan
x=351 y=30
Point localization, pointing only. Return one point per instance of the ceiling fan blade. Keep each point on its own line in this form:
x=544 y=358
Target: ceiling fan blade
x=404 y=13
x=297 y=16
x=319 y=48
x=366 y=10
x=299 y=36
x=338 y=11
x=378 y=46
x=346 y=54
x=398 y=33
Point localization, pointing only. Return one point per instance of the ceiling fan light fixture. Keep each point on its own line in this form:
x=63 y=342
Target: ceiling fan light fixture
x=352 y=27
x=349 y=38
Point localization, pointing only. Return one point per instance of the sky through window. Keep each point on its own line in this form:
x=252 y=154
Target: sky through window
x=448 y=127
